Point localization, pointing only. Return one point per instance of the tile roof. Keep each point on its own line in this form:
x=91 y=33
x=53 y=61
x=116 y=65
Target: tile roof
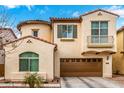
x=55 y=19
x=32 y=22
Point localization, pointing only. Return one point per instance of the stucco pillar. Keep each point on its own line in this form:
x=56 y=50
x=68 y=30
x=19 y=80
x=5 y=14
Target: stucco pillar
x=107 y=66
x=57 y=65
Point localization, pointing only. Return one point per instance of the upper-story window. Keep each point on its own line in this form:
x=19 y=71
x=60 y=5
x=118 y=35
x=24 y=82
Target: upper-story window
x=35 y=32
x=99 y=28
x=99 y=31
x=67 y=31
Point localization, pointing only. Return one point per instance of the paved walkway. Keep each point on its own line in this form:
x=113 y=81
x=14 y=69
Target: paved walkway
x=89 y=82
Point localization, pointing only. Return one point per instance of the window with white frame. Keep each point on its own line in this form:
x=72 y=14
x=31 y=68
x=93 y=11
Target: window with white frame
x=67 y=31
x=99 y=31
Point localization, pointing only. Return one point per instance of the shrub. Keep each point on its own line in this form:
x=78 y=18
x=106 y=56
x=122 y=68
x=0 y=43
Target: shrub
x=33 y=80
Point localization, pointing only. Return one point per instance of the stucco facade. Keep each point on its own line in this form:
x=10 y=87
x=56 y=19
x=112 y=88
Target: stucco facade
x=118 y=58
x=86 y=29
x=75 y=48
x=43 y=30
x=42 y=48
x=67 y=48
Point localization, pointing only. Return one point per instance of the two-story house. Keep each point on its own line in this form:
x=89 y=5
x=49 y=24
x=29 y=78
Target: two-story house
x=80 y=46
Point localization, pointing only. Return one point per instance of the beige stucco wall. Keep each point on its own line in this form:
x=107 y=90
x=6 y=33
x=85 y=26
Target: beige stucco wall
x=66 y=49
x=86 y=29
x=44 y=50
x=44 y=31
x=118 y=58
x=73 y=49
x=107 y=66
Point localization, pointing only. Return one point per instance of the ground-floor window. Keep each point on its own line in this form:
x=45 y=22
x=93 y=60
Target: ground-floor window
x=28 y=61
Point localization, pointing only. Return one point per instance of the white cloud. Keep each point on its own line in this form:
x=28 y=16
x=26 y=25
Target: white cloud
x=11 y=6
x=29 y=7
x=75 y=14
x=116 y=9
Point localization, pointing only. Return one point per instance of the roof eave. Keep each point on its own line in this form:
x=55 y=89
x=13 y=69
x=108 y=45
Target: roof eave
x=31 y=22
x=29 y=37
x=99 y=10
x=56 y=20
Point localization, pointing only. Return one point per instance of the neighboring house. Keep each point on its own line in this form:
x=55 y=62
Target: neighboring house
x=6 y=35
x=64 y=47
x=118 y=58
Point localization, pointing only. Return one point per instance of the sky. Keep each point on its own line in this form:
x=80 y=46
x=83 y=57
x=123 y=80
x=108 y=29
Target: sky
x=44 y=12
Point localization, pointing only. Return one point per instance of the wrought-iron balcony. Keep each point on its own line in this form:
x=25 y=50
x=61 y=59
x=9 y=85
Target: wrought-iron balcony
x=96 y=41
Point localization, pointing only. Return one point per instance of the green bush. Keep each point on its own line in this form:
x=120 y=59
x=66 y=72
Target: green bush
x=33 y=80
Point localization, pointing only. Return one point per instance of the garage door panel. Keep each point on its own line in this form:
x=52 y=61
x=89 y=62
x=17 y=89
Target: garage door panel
x=81 y=68
x=80 y=74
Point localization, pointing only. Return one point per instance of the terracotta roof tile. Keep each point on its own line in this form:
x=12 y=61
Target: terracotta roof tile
x=32 y=22
x=55 y=19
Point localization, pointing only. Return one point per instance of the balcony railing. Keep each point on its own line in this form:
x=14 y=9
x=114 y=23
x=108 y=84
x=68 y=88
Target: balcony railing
x=100 y=41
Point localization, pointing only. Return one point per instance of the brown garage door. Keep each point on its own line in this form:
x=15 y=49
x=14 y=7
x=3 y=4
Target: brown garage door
x=80 y=67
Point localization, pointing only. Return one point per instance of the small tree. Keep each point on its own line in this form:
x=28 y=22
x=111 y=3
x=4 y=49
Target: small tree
x=33 y=80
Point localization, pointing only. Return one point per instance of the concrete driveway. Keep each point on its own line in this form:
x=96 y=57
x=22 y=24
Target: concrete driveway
x=89 y=82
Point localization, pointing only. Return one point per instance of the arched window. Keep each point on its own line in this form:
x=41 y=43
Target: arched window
x=28 y=61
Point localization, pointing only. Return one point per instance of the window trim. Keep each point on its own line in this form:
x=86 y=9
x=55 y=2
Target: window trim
x=35 y=31
x=29 y=62
x=98 y=38
x=99 y=29
x=64 y=38
x=67 y=32
x=72 y=31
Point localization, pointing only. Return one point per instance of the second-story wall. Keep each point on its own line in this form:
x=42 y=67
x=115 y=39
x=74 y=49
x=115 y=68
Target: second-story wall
x=44 y=31
x=86 y=29
x=80 y=44
x=68 y=48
